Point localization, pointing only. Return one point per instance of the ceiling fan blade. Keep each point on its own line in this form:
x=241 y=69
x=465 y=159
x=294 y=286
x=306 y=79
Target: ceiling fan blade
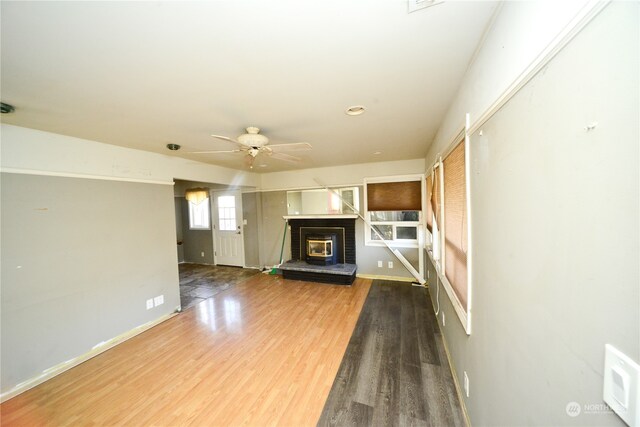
x=285 y=157
x=226 y=138
x=215 y=151
x=296 y=146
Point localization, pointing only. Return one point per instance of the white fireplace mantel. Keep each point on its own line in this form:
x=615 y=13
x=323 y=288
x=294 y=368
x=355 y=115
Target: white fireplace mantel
x=321 y=216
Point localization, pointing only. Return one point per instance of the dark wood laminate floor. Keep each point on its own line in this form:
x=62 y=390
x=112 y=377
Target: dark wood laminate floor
x=395 y=370
x=199 y=281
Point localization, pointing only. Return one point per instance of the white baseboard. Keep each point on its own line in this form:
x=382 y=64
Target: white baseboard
x=65 y=366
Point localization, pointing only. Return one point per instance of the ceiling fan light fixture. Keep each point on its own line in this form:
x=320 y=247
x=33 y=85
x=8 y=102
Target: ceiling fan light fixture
x=355 y=110
x=173 y=147
x=253 y=138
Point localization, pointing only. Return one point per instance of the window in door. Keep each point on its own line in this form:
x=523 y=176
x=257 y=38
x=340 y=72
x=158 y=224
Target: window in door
x=227 y=213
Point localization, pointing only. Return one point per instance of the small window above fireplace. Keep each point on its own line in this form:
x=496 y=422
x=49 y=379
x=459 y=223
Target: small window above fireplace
x=323 y=202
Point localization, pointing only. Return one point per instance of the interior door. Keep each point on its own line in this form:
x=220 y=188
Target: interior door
x=229 y=244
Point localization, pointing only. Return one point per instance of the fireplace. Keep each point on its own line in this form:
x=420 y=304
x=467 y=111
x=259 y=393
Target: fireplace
x=343 y=228
x=321 y=249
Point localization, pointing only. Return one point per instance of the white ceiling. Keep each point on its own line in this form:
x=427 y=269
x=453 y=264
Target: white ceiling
x=145 y=74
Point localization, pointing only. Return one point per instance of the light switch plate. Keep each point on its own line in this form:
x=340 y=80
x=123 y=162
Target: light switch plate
x=159 y=300
x=149 y=304
x=621 y=380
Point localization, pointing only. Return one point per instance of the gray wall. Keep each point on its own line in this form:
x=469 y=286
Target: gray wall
x=79 y=259
x=274 y=207
x=250 y=213
x=556 y=235
x=195 y=241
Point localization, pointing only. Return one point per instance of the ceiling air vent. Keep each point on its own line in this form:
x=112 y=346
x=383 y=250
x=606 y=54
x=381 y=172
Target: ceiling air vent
x=422 y=4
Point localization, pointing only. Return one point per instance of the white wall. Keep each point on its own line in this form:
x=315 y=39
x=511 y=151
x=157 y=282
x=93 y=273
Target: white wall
x=555 y=220
x=25 y=150
x=519 y=33
x=338 y=175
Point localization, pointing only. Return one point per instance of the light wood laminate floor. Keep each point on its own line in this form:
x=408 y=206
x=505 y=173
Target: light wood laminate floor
x=262 y=353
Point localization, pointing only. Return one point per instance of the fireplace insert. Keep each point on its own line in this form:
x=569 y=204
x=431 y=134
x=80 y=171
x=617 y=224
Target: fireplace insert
x=321 y=249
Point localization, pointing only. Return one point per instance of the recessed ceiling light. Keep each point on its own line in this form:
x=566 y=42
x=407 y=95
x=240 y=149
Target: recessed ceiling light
x=173 y=147
x=375 y=153
x=355 y=110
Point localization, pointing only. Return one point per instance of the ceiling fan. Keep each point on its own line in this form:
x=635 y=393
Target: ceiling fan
x=253 y=143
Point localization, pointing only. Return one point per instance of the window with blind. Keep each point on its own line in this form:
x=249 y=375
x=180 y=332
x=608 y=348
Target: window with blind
x=394 y=210
x=451 y=250
x=455 y=222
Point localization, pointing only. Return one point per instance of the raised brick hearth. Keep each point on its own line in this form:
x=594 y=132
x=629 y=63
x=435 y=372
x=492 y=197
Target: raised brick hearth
x=344 y=227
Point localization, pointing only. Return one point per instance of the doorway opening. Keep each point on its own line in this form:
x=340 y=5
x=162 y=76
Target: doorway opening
x=209 y=234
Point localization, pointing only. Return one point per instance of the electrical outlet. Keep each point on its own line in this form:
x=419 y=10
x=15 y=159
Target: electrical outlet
x=379 y=263
x=443 y=321
x=466 y=384
x=202 y=254
x=149 y=304
x=159 y=300
x=390 y=264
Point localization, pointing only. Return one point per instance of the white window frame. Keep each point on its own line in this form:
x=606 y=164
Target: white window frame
x=433 y=237
x=193 y=208
x=436 y=252
x=356 y=198
x=419 y=225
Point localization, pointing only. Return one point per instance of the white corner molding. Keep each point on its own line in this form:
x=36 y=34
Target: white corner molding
x=582 y=18
x=83 y=176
